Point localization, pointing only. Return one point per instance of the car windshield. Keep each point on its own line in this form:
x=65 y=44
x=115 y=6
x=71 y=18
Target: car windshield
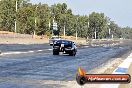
x=64 y=42
x=55 y=38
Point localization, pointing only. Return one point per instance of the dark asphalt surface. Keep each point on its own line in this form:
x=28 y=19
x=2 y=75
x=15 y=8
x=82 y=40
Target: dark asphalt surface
x=22 y=47
x=45 y=66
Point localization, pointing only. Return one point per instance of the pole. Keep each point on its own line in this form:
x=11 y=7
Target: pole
x=15 y=29
x=53 y=24
x=64 y=31
x=109 y=32
x=16 y=5
x=87 y=30
x=35 y=28
x=76 y=34
x=112 y=36
x=95 y=34
x=35 y=21
x=15 y=19
x=64 y=26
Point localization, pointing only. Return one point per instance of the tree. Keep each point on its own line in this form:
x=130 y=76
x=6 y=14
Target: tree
x=43 y=14
x=126 y=33
x=115 y=30
x=7 y=15
x=43 y=18
x=26 y=19
x=98 y=23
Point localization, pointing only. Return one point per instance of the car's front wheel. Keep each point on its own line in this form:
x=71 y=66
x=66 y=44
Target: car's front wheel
x=55 y=52
x=73 y=53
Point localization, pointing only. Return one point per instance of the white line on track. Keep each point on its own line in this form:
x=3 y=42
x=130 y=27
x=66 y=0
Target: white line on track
x=31 y=51
x=22 y=52
x=39 y=50
x=49 y=49
x=7 y=53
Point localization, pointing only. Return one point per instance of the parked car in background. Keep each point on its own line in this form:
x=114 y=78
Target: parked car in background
x=53 y=39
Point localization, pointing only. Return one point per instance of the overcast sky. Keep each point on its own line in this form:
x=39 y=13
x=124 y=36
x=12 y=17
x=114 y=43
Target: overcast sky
x=119 y=11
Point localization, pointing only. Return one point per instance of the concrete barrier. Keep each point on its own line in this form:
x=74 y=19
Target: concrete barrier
x=124 y=68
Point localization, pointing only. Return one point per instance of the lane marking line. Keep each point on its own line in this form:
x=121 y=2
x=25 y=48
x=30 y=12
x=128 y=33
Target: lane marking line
x=31 y=51
x=49 y=49
x=22 y=52
x=121 y=70
x=39 y=50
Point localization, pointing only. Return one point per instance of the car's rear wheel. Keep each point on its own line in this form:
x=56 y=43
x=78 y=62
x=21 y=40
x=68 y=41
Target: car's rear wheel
x=55 y=52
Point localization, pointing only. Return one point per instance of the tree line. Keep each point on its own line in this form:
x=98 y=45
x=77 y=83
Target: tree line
x=39 y=18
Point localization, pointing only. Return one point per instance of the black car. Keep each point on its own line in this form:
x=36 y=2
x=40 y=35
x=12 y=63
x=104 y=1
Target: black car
x=65 y=46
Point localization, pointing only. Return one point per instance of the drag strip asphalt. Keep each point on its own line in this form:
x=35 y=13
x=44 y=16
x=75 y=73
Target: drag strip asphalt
x=42 y=65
